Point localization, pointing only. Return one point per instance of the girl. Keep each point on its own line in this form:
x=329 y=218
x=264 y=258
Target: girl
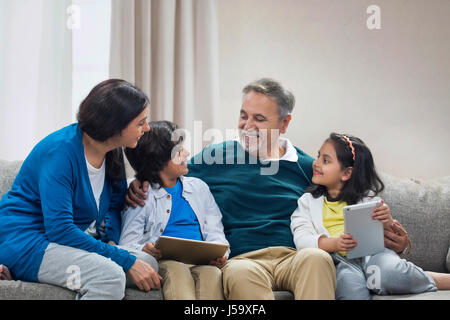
x=63 y=210
x=176 y=206
x=344 y=174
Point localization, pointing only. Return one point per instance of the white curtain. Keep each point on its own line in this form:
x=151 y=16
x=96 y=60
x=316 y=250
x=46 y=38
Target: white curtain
x=169 y=48
x=35 y=73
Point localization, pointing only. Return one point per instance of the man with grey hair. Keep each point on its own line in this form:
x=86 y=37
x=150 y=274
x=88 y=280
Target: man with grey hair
x=256 y=208
x=271 y=105
x=284 y=99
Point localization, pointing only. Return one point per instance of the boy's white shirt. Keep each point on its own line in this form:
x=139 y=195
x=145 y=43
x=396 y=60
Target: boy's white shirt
x=144 y=224
x=307 y=221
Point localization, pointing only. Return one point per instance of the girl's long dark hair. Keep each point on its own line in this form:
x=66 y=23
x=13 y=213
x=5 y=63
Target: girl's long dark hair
x=364 y=181
x=154 y=151
x=105 y=112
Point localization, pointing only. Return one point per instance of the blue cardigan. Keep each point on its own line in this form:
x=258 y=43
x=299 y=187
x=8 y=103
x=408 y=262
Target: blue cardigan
x=51 y=200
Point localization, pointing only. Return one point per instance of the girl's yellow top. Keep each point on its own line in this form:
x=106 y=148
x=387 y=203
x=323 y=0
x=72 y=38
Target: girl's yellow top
x=333 y=218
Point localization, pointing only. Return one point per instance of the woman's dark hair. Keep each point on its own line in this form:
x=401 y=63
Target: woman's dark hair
x=154 y=151
x=364 y=179
x=105 y=112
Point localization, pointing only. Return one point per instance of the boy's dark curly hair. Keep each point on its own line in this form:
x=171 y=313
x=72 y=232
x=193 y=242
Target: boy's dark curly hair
x=154 y=151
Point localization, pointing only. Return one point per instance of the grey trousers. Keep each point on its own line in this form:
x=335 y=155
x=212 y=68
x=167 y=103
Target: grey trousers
x=384 y=273
x=92 y=276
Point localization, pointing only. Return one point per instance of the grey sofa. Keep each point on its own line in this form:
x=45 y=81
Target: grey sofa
x=422 y=207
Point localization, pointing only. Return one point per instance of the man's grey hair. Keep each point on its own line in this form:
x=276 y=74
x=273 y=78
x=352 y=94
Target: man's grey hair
x=284 y=99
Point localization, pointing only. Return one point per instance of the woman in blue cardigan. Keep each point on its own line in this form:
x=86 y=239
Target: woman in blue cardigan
x=60 y=222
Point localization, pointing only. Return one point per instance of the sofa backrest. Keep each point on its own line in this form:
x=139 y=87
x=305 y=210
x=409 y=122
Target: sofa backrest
x=423 y=208
x=8 y=171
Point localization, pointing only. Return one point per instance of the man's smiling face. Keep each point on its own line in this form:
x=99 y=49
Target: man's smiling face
x=259 y=123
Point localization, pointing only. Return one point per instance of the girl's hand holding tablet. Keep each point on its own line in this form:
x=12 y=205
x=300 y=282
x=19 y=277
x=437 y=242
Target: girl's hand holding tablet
x=345 y=242
x=383 y=214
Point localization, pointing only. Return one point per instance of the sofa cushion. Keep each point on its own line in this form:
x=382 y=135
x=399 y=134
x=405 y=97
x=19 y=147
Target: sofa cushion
x=8 y=172
x=436 y=295
x=448 y=260
x=136 y=294
x=20 y=290
x=423 y=208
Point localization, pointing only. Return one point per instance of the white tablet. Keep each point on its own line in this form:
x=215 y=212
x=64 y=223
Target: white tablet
x=367 y=231
x=190 y=251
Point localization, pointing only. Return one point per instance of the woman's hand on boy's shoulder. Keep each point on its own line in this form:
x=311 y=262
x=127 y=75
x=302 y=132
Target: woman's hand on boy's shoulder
x=219 y=262
x=137 y=193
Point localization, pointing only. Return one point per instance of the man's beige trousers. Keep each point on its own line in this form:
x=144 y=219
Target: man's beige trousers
x=307 y=273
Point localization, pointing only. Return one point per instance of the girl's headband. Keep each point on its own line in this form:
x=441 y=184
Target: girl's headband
x=351 y=145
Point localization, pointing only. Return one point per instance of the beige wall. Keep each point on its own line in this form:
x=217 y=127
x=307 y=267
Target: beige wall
x=390 y=87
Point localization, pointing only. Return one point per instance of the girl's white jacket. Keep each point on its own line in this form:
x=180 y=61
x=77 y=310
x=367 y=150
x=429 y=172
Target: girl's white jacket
x=307 y=221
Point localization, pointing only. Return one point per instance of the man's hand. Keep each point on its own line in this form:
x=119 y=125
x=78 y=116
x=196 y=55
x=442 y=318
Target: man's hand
x=4 y=273
x=144 y=276
x=150 y=248
x=136 y=193
x=396 y=238
x=219 y=262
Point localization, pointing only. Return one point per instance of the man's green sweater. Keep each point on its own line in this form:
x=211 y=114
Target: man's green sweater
x=256 y=206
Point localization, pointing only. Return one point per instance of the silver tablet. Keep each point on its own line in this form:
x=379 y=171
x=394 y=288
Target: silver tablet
x=367 y=231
